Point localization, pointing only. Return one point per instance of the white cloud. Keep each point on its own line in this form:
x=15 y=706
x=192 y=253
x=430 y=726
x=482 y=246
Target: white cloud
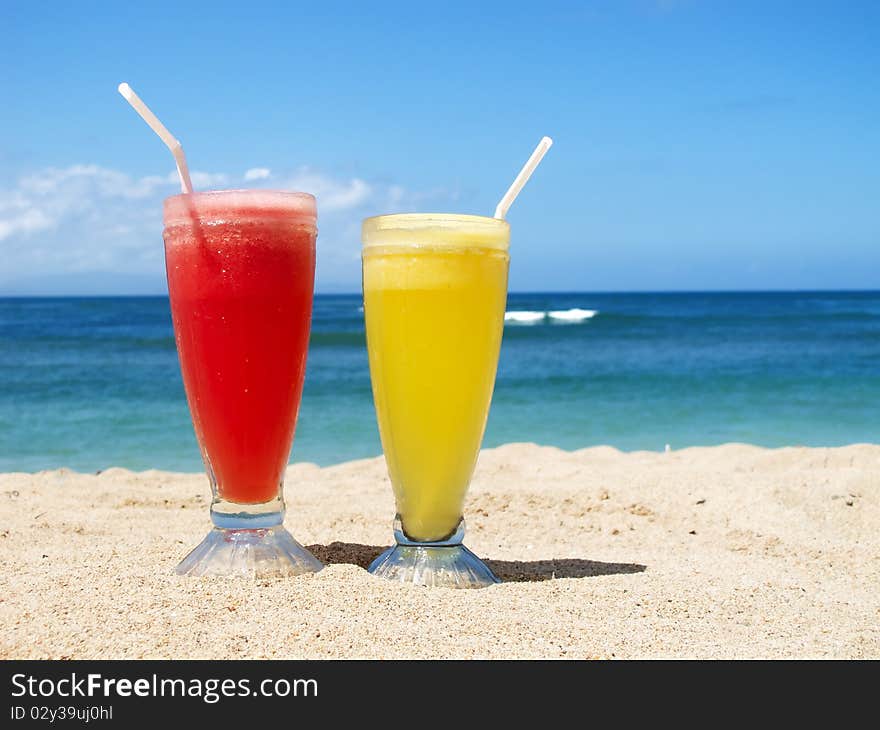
x=29 y=220
x=206 y=180
x=108 y=183
x=88 y=218
x=332 y=195
x=257 y=173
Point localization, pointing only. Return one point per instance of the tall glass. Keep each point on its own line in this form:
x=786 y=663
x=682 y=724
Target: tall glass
x=241 y=269
x=435 y=288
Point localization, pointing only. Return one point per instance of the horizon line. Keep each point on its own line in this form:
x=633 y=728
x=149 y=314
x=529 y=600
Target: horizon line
x=533 y=292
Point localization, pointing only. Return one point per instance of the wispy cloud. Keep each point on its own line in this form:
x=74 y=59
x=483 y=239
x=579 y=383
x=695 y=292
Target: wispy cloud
x=21 y=218
x=257 y=173
x=333 y=195
x=89 y=218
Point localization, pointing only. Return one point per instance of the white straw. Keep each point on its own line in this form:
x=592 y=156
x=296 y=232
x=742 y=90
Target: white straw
x=160 y=129
x=523 y=177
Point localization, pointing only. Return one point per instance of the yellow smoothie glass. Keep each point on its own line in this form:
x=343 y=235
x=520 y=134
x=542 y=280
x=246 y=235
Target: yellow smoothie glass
x=435 y=289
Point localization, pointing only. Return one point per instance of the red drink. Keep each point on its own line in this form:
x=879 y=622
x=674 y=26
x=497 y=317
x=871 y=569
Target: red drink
x=241 y=268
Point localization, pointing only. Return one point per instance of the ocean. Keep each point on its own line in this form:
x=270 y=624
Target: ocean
x=89 y=383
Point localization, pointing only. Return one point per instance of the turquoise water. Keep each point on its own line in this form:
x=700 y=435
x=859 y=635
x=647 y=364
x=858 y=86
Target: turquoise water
x=90 y=383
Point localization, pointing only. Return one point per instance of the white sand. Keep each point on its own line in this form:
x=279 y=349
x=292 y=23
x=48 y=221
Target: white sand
x=731 y=551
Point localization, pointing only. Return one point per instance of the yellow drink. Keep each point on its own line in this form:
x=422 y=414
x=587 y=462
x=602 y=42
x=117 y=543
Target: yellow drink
x=435 y=289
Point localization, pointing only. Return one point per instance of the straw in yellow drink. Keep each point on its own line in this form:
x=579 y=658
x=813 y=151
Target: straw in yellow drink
x=435 y=288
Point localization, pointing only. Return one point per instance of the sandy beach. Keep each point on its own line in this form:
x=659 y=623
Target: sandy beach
x=730 y=551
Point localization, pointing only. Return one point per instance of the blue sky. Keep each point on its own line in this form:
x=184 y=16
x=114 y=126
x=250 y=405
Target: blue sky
x=699 y=145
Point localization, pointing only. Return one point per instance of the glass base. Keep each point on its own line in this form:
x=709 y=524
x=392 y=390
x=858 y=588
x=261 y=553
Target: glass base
x=250 y=553
x=442 y=564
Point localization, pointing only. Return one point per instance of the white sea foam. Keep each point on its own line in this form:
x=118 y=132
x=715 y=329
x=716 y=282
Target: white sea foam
x=524 y=317
x=572 y=315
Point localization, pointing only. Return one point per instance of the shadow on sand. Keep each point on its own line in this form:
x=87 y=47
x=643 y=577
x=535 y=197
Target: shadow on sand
x=514 y=571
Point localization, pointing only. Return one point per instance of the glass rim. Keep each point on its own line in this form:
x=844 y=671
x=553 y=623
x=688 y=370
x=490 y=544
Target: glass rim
x=242 y=203
x=415 y=218
x=450 y=230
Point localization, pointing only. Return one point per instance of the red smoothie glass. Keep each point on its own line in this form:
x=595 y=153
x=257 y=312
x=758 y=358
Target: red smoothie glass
x=241 y=271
